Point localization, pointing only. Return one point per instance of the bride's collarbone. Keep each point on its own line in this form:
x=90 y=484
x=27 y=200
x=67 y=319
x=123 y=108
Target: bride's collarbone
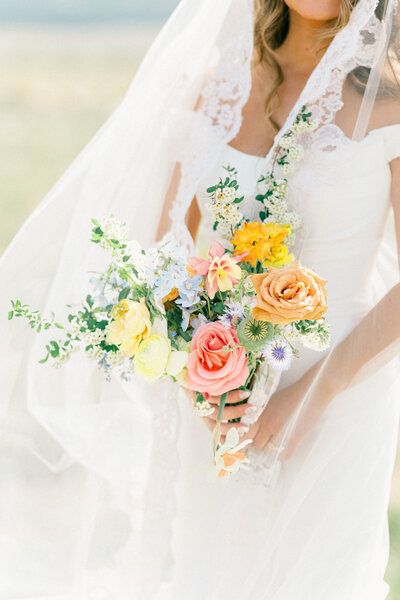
x=257 y=132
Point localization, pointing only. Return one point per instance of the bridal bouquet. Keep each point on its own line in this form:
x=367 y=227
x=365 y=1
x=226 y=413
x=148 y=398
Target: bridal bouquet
x=207 y=322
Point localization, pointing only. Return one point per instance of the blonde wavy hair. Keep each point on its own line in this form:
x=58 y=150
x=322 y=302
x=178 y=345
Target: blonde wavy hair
x=270 y=29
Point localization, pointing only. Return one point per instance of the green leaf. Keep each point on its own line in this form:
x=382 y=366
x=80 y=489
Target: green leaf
x=263 y=215
x=215 y=226
x=124 y=294
x=59 y=325
x=212 y=189
x=89 y=300
x=219 y=307
x=44 y=360
x=10 y=315
x=39 y=328
x=185 y=335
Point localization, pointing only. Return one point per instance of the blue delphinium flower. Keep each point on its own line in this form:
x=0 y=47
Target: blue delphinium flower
x=189 y=290
x=278 y=354
x=185 y=318
x=172 y=275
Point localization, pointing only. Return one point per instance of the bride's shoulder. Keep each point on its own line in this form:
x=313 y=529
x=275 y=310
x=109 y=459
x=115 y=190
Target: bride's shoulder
x=386 y=112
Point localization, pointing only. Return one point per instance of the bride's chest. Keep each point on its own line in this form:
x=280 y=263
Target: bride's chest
x=335 y=190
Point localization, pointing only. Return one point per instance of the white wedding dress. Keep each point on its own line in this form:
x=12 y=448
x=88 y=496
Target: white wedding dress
x=321 y=531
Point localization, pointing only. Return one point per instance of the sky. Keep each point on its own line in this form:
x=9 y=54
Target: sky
x=83 y=11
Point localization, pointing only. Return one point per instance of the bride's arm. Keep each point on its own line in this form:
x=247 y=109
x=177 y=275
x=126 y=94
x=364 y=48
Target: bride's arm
x=193 y=215
x=378 y=331
x=374 y=341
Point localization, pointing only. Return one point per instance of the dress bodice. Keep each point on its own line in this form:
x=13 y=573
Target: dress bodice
x=343 y=197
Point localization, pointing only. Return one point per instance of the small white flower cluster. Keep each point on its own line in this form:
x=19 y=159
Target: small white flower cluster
x=294 y=150
x=228 y=213
x=203 y=409
x=224 y=210
x=225 y=195
x=113 y=359
x=312 y=334
x=113 y=230
x=95 y=353
x=116 y=358
x=74 y=329
x=94 y=337
x=278 y=207
x=290 y=145
x=303 y=126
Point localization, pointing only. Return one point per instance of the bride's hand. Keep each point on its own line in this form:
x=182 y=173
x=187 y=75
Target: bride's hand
x=280 y=410
x=229 y=412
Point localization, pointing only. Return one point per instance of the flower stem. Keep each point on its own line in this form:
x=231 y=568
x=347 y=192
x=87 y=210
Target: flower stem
x=222 y=403
x=209 y=308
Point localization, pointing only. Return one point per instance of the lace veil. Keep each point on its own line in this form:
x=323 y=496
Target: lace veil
x=106 y=452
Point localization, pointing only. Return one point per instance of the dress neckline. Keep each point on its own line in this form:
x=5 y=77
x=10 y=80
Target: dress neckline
x=257 y=157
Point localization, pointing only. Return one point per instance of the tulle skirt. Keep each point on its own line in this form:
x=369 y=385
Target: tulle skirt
x=321 y=531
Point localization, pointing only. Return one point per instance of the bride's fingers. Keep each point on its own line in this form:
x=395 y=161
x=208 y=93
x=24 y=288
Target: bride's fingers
x=225 y=427
x=231 y=412
x=232 y=398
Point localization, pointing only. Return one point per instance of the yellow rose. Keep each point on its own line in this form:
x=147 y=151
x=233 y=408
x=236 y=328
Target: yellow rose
x=131 y=325
x=278 y=256
x=152 y=357
x=155 y=358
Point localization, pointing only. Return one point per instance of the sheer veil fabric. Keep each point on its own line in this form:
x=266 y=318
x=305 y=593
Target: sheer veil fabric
x=84 y=463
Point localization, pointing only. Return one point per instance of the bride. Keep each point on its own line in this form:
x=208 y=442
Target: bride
x=103 y=492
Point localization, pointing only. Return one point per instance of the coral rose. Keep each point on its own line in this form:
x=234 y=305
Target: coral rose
x=289 y=294
x=211 y=367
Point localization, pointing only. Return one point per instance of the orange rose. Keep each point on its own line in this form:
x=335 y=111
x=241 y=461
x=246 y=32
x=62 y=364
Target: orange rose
x=289 y=294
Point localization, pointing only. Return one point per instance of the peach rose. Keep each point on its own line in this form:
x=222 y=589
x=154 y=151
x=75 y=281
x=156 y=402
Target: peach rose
x=211 y=369
x=289 y=294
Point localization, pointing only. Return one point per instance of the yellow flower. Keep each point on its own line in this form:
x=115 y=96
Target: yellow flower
x=154 y=358
x=278 y=256
x=130 y=326
x=256 y=240
x=278 y=232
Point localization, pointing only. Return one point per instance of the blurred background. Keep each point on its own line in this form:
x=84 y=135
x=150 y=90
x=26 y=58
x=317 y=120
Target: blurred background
x=65 y=66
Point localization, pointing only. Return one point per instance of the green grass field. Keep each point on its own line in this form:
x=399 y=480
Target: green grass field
x=57 y=87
